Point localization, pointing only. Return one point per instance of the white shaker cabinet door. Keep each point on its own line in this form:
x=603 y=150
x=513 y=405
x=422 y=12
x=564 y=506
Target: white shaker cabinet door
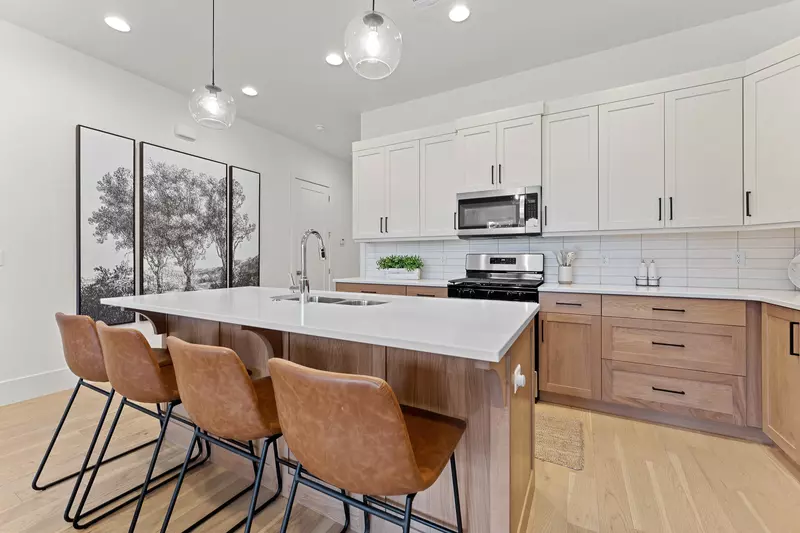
x=632 y=164
x=402 y=182
x=369 y=193
x=519 y=153
x=478 y=158
x=569 y=171
x=772 y=156
x=703 y=162
x=439 y=184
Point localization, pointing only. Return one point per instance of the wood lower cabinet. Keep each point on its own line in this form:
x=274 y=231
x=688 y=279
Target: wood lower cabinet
x=781 y=378
x=570 y=355
x=371 y=288
x=426 y=292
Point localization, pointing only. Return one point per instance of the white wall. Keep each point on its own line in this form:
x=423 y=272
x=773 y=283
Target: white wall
x=47 y=90
x=714 y=44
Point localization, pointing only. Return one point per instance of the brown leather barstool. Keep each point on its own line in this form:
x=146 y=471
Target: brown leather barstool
x=227 y=407
x=350 y=432
x=84 y=357
x=142 y=375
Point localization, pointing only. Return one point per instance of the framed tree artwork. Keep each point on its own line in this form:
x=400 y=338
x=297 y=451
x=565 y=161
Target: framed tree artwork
x=244 y=227
x=183 y=221
x=105 y=222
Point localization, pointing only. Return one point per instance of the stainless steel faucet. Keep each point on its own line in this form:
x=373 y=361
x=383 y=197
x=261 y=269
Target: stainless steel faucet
x=304 y=286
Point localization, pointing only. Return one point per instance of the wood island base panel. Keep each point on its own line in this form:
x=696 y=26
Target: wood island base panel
x=494 y=458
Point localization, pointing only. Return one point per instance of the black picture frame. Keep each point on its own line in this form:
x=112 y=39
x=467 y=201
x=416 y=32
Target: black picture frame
x=231 y=214
x=143 y=146
x=114 y=316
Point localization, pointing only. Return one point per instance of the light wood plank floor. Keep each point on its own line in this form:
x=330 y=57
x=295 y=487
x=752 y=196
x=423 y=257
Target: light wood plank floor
x=638 y=477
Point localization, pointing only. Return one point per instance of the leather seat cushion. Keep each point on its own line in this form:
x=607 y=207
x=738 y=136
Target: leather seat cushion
x=434 y=438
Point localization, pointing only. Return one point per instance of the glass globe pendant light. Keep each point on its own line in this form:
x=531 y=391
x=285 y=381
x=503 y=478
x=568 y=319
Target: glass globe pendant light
x=209 y=105
x=373 y=45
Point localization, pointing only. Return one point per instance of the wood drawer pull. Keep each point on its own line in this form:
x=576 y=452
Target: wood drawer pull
x=571 y=304
x=369 y=292
x=669 y=310
x=669 y=391
x=669 y=344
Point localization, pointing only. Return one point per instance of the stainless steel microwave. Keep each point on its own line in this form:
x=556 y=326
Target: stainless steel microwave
x=499 y=212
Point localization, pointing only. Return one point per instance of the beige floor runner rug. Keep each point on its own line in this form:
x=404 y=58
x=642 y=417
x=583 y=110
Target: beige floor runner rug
x=559 y=441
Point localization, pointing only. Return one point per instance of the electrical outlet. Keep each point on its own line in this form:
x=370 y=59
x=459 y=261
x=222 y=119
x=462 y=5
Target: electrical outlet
x=341 y=242
x=605 y=260
x=739 y=258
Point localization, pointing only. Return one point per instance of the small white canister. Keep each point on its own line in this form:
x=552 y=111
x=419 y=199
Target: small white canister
x=565 y=275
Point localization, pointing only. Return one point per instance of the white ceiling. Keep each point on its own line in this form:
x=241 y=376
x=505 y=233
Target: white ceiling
x=280 y=46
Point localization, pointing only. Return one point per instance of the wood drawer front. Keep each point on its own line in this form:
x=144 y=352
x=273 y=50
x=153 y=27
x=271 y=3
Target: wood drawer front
x=701 y=395
x=704 y=347
x=724 y=312
x=371 y=288
x=571 y=304
x=426 y=292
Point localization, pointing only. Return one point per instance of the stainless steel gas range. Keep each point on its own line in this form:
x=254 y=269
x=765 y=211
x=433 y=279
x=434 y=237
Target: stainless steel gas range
x=510 y=277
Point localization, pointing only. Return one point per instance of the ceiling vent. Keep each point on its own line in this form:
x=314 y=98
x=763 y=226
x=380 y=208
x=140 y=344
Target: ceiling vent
x=424 y=3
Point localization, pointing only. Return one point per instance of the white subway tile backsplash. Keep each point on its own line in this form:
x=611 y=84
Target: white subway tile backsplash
x=705 y=259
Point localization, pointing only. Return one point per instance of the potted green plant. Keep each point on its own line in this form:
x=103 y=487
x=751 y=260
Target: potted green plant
x=401 y=266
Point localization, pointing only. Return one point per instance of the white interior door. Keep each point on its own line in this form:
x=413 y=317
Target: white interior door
x=478 y=147
x=439 y=183
x=632 y=164
x=311 y=210
x=703 y=162
x=519 y=153
x=569 y=171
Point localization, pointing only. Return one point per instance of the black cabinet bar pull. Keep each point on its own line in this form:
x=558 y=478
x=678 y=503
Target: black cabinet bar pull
x=545 y=215
x=791 y=339
x=669 y=391
x=422 y=294
x=670 y=208
x=500 y=173
x=381 y=224
x=669 y=310
x=386 y=224
x=659 y=209
x=747 y=203
x=573 y=304
x=492 y=174
x=454 y=220
x=669 y=344
x=369 y=292
x=542 y=331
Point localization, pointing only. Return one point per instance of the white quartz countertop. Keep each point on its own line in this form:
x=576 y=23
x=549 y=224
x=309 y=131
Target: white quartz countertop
x=790 y=299
x=472 y=329
x=382 y=281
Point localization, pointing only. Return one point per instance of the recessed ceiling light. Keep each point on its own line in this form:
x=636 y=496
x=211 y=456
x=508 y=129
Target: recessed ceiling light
x=334 y=59
x=249 y=90
x=459 y=13
x=320 y=127
x=118 y=23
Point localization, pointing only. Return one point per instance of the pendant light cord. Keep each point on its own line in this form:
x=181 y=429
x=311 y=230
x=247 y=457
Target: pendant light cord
x=214 y=42
x=373 y=5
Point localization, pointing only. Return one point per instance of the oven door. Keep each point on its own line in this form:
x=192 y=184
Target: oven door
x=491 y=213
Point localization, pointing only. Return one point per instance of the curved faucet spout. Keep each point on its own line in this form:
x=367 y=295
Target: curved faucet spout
x=304 y=285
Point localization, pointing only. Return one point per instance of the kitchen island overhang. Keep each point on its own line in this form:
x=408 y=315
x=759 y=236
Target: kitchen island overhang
x=455 y=357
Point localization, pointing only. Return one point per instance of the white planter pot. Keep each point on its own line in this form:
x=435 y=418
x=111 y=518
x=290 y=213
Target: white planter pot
x=565 y=275
x=402 y=273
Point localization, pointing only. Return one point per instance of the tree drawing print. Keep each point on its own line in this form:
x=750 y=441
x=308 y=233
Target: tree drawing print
x=106 y=223
x=245 y=228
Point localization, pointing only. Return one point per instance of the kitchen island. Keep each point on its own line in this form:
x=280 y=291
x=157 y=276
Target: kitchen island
x=464 y=358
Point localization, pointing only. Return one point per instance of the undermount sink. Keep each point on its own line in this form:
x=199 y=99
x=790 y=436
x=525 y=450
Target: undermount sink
x=328 y=300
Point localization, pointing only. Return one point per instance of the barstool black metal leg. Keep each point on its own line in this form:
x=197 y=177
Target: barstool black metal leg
x=152 y=467
x=407 y=515
x=35 y=482
x=87 y=457
x=459 y=524
x=178 y=485
x=254 y=500
x=366 y=516
x=346 y=513
x=292 y=494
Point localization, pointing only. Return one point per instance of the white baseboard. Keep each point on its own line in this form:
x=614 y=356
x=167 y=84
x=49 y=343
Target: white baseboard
x=27 y=387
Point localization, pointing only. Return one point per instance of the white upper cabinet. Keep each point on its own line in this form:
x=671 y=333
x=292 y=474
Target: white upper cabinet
x=369 y=193
x=519 y=153
x=772 y=156
x=439 y=183
x=569 y=170
x=478 y=158
x=703 y=156
x=632 y=164
x=402 y=183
